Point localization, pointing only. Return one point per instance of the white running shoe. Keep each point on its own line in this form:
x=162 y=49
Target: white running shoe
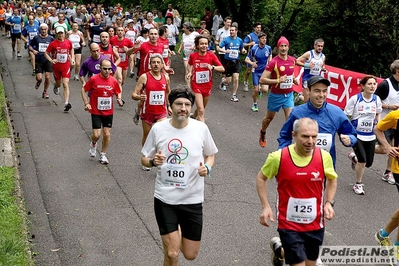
x=245 y=86
x=146 y=168
x=275 y=245
x=103 y=158
x=353 y=158
x=358 y=189
x=388 y=177
x=92 y=149
x=234 y=98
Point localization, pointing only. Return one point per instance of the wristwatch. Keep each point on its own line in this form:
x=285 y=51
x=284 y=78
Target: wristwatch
x=331 y=202
x=152 y=163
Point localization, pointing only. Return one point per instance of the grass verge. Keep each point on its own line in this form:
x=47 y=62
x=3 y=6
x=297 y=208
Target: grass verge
x=13 y=234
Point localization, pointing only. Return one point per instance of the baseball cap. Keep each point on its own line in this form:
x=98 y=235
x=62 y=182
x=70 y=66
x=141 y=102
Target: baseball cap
x=59 y=29
x=129 y=21
x=203 y=22
x=318 y=79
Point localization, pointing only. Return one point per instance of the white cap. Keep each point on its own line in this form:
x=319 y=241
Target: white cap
x=59 y=29
x=43 y=25
x=129 y=21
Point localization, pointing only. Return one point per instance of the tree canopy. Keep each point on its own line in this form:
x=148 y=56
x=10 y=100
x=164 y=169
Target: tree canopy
x=360 y=35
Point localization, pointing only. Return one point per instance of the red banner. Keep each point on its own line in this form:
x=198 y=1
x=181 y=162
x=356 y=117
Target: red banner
x=344 y=84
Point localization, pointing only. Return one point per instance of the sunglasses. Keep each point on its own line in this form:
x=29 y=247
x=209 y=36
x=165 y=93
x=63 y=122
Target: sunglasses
x=107 y=68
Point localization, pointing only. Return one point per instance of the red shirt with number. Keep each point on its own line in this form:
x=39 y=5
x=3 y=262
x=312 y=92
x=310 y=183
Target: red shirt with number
x=102 y=91
x=165 y=52
x=146 y=49
x=155 y=89
x=300 y=203
x=120 y=45
x=279 y=67
x=201 y=77
x=60 y=50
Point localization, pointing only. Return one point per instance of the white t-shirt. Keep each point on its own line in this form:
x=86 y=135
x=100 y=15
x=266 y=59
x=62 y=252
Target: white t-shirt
x=141 y=39
x=221 y=34
x=188 y=43
x=172 y=31
x=184 y=149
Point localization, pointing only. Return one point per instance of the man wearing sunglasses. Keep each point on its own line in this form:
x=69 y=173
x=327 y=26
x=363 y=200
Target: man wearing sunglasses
x=102 y=88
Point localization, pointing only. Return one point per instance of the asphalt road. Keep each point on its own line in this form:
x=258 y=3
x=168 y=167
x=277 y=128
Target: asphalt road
x=84 y=213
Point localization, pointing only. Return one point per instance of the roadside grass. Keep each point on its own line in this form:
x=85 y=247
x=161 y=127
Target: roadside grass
x=13 y=234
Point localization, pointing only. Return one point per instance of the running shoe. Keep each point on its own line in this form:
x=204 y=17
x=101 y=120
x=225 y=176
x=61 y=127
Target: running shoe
x=37 y=85
x=146 y=168
x=262 y=138
x=388 y=177
x=19 y=54
x=245 y=86
x=277 y=258
x=103 y=158
x=26 y=46
x=68 y=107
x=56 y=90
x=260 y=93
x=353 y=158
x=136 y=116
x=298 y=98
x=358 y=189
x=33 y=73
x=92 y=150
x=76 y=77
x=132 y=74
x=383 y=241
x=222 y=86
x=234 y=98
x=255 y=107
x=45 y=95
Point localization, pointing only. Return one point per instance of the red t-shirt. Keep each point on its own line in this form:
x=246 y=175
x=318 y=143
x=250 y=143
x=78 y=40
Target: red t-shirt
x=146 y=50
x=300 y=193
x=202 y=76
x=165 y=53
x=120 y=45
x=279 y=67
x=60 y=51
x=102 y=91
x=156 y=95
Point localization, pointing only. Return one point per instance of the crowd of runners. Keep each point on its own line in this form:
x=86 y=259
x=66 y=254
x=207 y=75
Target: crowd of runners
x=104 y=46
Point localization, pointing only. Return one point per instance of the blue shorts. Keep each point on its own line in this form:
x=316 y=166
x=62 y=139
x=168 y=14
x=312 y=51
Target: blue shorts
x=277 y=101
x=256 y=78
x=301 y=246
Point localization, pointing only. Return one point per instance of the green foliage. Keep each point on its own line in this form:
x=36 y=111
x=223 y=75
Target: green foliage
x=359 y=35
x=13 y=245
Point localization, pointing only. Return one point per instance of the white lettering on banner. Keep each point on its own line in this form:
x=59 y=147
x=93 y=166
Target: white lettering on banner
x=332 y=86
x=346 y=88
